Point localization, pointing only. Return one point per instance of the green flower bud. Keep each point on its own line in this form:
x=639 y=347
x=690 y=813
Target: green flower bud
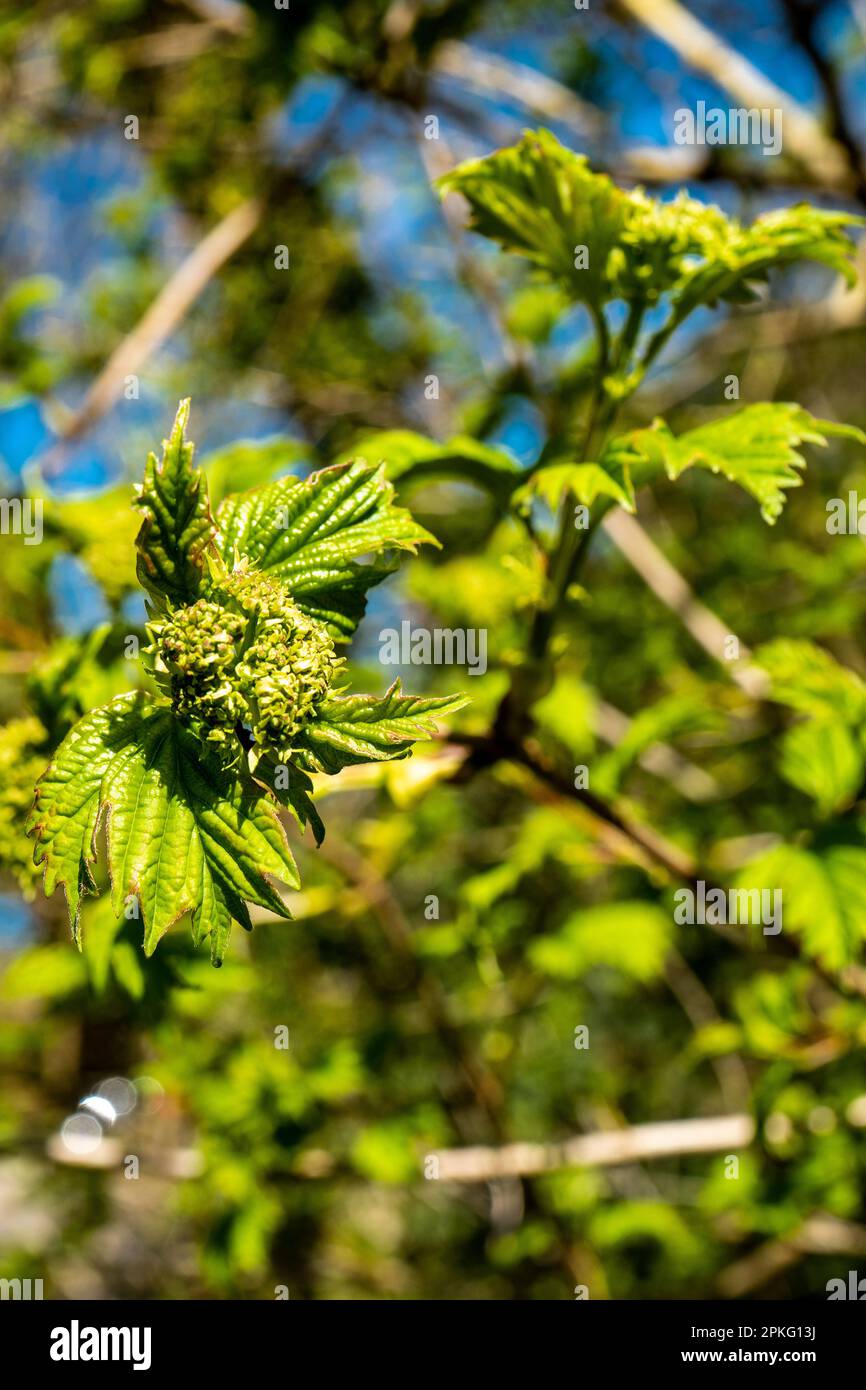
x=659 y=240
x=247 y=655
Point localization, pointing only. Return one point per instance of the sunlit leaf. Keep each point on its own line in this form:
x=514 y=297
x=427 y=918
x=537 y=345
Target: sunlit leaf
x=184 y=833
x=755 y=447
x=370 y=728
x=632 y=937
x=584 y=481
x=823 y=895
x=177 y=524
x=824 y=760
x=811 y=680
x=311 y=534
x=412 y=458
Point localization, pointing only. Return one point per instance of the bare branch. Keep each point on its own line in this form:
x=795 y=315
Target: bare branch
x=165 y=313
x=704 y=51
x=820 y=1234
x=668 y=584
x=492 y=75
x=660 y=759
x=719 y=1134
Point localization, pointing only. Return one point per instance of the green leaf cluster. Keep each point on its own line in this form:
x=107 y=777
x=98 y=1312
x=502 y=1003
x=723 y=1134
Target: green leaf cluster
x=245 y=608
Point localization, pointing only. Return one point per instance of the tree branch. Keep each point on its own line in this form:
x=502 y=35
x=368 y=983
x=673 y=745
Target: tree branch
x=667 y=583
x=720 y=1134
x=826 y=161
x=165 y=313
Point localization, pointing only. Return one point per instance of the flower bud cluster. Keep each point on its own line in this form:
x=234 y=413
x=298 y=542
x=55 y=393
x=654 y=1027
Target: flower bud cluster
x=659 y=240
x=245 y=654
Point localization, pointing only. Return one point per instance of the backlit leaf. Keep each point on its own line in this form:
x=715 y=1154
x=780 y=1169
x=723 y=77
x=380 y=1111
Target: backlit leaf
x=755 y=447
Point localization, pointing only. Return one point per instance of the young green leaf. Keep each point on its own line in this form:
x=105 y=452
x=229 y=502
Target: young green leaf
x=292 y=788
x=825 y=760
x=65 y=814
x=542 y=201
x=823 y=894
x=184 y=832
x=754 y=447
x=177 y=523
x=242 y=647
x=775 y=239
x=602 y=243
x=370 y=728
x=310 y=534
x=586 y=481
x=632 y=937
x=807 y=678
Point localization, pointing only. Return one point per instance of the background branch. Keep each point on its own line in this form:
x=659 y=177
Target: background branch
x=720 y=1134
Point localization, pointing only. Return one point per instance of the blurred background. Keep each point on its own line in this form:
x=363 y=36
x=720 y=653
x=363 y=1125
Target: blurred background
x=172 y=1131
